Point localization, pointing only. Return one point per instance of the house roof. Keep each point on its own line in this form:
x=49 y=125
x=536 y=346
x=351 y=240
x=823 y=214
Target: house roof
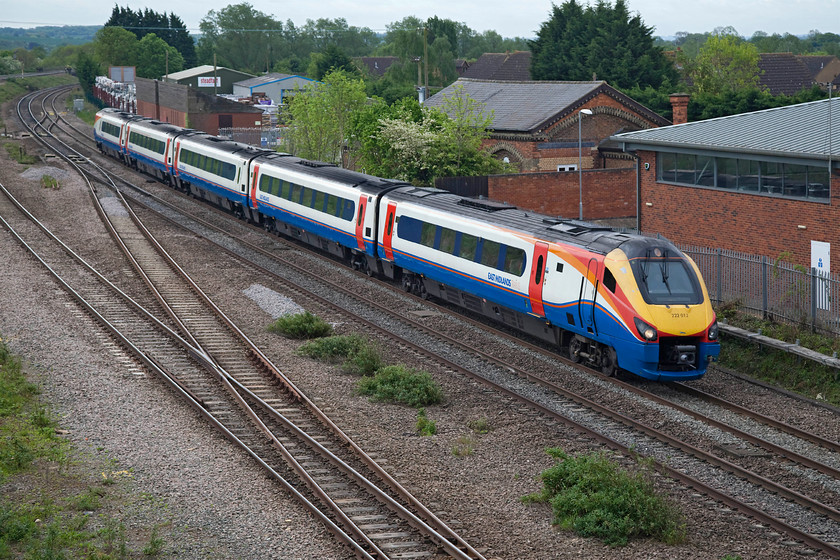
x=376 y=65
x=801 y=131
x=534 y=106
x=199 y=71
x=515 y=66
x=783 y=73
x=270 y=78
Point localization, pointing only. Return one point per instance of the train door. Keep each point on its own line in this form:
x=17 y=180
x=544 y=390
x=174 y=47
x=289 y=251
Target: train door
x=588 y=293
x=388 y=234
x=360 y=222
x=255 y=173
x=535 y=286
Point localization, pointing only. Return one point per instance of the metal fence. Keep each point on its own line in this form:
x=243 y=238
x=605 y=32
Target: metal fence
x=770 y=288
x=260 y=137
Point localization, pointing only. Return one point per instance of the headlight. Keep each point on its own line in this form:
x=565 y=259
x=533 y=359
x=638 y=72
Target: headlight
x=713 y=331
x=646 y=331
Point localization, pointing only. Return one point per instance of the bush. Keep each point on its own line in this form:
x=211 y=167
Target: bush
x=354 y=352
x=301 y=326
x=425 y=427
x=594 y=497
x=400 y=384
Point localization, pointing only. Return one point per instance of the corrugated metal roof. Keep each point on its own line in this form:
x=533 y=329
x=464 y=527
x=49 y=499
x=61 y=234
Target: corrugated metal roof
x=794 y=131
x=199 y=71
x=269 y=79
x=519 y=106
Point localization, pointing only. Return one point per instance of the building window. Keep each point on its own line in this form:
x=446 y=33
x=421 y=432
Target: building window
x=764 y=177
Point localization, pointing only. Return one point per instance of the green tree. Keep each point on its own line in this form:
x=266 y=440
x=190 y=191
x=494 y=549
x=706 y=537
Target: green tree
x=115 y=46
x=320 y=116
x=333 y=58
x=725 y=64
x=170 y=28
x=155 y=57
x=87 y=69
x=602 y=40
x=241 y=37
x=418 y=144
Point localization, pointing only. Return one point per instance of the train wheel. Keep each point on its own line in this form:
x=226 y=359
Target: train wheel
x=609 y=364
x=575 y=346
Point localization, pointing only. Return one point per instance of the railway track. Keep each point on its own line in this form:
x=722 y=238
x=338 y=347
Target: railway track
x=207 y=359
x=823 y=538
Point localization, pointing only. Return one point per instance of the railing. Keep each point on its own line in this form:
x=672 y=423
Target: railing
x=771 y=288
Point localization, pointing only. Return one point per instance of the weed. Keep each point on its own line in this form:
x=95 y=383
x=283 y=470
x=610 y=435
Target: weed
x=49 y=182
x=356 y=354
x=301 y=326
x=594 y=497
x=401 y=384
x=18 y=153
x=464 y=447
x=480 y=426
x=88 y=501
x=425 y=426
x=732 y=557
x=155 y=546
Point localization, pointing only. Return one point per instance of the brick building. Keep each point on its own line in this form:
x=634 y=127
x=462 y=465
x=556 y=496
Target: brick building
x=764 y=183
x=537 y=127
x=189 y=107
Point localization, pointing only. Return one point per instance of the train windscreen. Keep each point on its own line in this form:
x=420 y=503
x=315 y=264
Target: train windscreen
x=666 y=279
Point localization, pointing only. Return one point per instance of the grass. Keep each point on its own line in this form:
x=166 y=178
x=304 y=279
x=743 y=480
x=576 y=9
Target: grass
x=403 y=385
x=425 y=426
x=355 y=353
x=301 y=326
x=592 y=496
x=464 y=446
x=15 y=87
x=18 y=153
x=781 y=368
x=49 y=182
x=47 y=512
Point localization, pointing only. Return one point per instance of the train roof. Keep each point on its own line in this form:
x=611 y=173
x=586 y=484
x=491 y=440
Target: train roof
x=159 y=126
x=209 y=141
x=556 y=230
x=353 y=179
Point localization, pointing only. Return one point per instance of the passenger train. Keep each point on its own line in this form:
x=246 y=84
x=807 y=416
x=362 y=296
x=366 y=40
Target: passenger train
x=615 y=301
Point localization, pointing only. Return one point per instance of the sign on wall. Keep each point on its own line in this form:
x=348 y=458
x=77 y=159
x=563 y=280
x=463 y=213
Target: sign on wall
x=821 y=262
x=209 y=81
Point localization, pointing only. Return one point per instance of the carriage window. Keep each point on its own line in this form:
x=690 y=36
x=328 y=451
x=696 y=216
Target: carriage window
x=447 y=240
x=349 y=210
x=515 y=261
x=609 y=280
x=318 y=203
x=538 y=273
x=427 y=235
x=297 y=191
x=469 y=243
x=490 y=253
x=307 y=197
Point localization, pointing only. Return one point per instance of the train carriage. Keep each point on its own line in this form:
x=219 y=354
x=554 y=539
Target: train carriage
x=109 y=131
x=150 y=146
x=214 y=169
x=595 y=291
x=322 y=204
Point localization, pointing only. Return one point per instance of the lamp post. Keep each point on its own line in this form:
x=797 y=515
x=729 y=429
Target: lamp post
x=580 y=160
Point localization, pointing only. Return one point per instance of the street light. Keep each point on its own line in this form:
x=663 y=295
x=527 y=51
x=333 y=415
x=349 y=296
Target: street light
x=580 y=160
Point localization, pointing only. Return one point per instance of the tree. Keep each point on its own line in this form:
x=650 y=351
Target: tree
x=320 y=116
x=170 y=28
x=115 y=46
x=155 y=58
x=87 y=69
x=241 y=37
x=417 y=144
x=602 y=40
x=725 y=64
x=330 y=60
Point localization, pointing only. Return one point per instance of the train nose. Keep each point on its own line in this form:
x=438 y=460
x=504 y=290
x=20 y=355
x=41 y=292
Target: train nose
x=685 y=354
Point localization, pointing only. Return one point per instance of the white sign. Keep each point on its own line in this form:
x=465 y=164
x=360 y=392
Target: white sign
x=209 y=81
x=821 y=262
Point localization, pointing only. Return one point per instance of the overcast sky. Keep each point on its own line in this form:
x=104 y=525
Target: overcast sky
x=509 y=18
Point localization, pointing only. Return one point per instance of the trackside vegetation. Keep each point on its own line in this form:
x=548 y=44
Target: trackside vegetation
x=389 y=383
x=47 y=510
x=301 y=326
x=594 y=497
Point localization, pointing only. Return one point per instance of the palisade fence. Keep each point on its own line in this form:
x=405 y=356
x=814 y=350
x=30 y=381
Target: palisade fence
x=260 y=137
x=770 y=288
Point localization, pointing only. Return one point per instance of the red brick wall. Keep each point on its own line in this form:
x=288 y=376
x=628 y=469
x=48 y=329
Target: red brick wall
x=607 y=193
x=750 y=223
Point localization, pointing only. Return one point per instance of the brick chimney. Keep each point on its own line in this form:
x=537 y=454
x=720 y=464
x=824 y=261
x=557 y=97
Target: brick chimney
x=679 y=105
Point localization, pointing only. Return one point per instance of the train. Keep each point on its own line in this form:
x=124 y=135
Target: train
x=618 y=302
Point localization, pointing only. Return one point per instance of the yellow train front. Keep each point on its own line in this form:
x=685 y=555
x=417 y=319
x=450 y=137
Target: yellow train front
x=655 y=311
